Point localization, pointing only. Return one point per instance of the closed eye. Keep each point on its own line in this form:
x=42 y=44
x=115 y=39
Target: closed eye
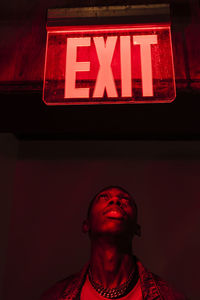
x=103 y=197
x=127 y=200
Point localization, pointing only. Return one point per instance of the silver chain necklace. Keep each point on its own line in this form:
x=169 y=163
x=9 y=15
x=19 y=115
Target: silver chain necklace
x=117 y=292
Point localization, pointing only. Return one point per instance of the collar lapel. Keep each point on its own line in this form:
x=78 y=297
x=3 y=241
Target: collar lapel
x=72 y=291
x=149 y=288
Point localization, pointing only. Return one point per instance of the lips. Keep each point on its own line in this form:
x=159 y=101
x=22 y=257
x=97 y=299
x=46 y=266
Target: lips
x=114 y=212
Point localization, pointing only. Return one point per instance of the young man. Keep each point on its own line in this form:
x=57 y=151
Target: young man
x=112 y=272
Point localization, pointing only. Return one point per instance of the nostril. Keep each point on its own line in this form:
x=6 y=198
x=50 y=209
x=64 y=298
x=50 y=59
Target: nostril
x=115 y=201
x=118 y=202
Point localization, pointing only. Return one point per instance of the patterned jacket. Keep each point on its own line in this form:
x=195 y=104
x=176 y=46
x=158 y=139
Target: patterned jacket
x=153 y=287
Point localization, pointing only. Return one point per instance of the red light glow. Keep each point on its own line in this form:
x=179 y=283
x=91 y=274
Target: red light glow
x=109 y=64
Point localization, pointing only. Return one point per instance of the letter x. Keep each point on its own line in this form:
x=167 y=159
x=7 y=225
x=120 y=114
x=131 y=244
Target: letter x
x=105 y=80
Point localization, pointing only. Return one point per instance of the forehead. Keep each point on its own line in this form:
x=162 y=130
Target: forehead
x=114 y=191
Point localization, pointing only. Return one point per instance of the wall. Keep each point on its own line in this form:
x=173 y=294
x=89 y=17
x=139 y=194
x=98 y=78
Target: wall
x=54 y=182
x=8 y=157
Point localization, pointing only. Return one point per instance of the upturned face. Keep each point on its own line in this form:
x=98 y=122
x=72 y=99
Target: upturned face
x=113 y=212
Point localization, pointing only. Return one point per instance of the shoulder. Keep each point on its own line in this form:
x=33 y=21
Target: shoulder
x=166 y=290
x=67 y=286
x=153 y=284
x=56 y=290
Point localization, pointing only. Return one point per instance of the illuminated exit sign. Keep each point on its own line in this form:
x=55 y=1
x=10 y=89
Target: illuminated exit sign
x=109 y=64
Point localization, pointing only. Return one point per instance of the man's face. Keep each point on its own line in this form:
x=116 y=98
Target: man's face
x=113 y=212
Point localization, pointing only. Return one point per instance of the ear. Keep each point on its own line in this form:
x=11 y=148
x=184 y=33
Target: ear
x=85 y=226
x=138 y=230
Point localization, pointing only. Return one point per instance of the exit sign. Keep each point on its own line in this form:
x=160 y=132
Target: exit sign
x=102 y=64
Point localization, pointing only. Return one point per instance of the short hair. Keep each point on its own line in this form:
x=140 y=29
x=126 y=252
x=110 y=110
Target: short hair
x=106 y=188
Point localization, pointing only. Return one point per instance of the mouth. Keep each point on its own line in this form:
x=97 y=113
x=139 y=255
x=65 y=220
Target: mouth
x=114 y=213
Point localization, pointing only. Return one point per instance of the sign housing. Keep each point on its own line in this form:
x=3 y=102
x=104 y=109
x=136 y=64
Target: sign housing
x=111 y=63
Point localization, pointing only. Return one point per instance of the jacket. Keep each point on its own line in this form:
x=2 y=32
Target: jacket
x=152 y=286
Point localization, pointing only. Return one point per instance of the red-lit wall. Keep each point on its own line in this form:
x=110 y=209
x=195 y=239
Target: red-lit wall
x=8 y=158
x=53 y=184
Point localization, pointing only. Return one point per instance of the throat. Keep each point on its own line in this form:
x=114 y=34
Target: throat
x=111 y=270
x=117 y=291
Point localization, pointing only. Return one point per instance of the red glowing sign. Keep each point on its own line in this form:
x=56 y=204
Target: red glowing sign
x=109 y=64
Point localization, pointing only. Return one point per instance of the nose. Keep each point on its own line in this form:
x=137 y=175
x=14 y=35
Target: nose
x=115 y=201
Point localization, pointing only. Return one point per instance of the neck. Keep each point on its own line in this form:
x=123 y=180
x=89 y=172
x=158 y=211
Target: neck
x=111 y=261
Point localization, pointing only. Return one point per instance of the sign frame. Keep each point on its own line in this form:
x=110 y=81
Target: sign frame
x=86 y=18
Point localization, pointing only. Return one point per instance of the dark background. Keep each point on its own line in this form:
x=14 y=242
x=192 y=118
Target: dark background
x=46 y=188
x=54 y=159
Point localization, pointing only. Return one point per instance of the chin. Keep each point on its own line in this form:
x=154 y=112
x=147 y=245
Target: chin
x=113 y=230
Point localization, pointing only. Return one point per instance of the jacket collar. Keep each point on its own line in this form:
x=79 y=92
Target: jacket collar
x=149 y=287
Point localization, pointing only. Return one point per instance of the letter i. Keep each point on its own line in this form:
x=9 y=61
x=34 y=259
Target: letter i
x=125 y=55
